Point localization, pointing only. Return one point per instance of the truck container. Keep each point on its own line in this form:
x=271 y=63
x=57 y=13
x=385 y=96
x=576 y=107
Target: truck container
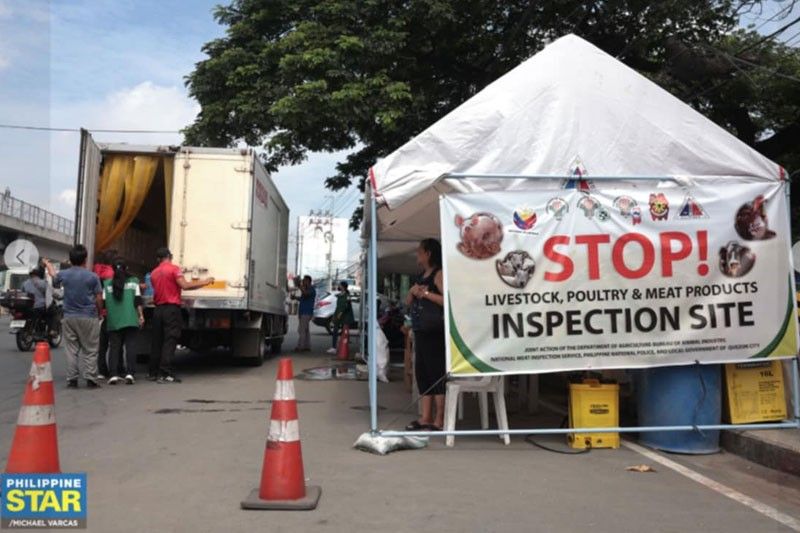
x=219 y=213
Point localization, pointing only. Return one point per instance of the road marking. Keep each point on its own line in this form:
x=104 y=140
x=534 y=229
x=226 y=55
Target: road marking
x=737 y=496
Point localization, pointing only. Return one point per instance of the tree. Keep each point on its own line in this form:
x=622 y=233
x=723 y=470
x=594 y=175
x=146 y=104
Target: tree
x=300 y=76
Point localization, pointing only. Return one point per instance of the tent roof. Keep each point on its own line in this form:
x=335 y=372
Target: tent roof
x=569 y=102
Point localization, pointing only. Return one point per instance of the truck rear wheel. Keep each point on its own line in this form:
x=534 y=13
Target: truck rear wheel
x=249 y=345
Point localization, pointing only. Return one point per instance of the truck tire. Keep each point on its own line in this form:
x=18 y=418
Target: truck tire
x=249 y=346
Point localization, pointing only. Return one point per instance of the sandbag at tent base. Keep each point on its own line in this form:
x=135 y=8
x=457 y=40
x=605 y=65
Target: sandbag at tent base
x=379 y=445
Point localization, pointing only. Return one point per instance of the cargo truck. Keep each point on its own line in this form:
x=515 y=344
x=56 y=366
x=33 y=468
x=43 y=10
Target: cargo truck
x=221 y=216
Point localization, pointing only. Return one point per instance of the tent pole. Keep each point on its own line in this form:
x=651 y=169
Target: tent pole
x=795 y=391
x=372 y=273
x=362 y=312
x=794 y=362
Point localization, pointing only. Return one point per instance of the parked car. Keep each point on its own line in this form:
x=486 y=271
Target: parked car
x=326 y=305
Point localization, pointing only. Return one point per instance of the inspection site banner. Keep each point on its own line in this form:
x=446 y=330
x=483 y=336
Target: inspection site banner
x=541 y=281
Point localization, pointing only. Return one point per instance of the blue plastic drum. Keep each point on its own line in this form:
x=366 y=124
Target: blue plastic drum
x=680 y=396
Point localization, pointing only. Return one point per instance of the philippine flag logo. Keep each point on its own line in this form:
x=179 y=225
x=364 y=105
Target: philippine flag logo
x=524 y=219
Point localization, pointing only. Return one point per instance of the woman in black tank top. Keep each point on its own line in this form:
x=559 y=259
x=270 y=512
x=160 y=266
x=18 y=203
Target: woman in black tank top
x=426 y=301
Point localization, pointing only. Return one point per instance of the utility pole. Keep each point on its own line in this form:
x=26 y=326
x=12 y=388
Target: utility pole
x=329 y=238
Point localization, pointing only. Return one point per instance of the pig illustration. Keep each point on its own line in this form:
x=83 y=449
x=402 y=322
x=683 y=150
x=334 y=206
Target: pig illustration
x=735 y=260
x=481 y=235
x=751 y=221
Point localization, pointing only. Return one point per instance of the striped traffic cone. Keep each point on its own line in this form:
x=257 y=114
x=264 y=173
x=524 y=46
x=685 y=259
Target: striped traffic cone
x=343 y=348
x=282 y=479
x=35 y=445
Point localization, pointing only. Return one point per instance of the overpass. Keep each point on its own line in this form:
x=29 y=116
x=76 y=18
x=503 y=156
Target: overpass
x=52 y=234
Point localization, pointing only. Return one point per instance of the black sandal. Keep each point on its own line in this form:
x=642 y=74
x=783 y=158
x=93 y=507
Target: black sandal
x=431 y=427
x=415 y=426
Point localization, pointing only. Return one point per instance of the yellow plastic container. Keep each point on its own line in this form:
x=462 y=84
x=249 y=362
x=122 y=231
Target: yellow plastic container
x=593 y=405
x=754 y=392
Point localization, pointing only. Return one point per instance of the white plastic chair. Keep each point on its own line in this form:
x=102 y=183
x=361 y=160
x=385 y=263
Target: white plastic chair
x=482 y=386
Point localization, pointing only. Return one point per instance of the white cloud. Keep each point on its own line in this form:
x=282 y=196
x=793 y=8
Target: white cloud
x=4 y=62
x=146 y=106
x=67 y=197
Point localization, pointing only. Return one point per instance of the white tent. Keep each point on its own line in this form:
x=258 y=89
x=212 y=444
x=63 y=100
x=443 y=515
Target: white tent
x=570 y=106
x=570 y=102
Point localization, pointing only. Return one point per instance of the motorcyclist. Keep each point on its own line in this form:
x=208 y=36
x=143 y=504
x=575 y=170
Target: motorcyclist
x=37 y=288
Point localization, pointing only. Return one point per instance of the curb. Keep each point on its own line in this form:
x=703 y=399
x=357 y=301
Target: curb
x=749 y=445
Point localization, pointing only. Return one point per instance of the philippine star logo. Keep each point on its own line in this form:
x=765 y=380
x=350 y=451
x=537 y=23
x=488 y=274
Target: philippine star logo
x=524 y=218
x=43 y=501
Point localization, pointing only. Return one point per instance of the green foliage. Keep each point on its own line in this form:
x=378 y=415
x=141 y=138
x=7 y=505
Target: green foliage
x=300 y=76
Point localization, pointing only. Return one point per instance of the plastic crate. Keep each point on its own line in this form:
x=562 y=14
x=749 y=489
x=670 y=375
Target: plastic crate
x=593 y=405
x=754 y=392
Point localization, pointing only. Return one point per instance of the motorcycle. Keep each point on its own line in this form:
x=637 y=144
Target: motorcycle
x=28 y=326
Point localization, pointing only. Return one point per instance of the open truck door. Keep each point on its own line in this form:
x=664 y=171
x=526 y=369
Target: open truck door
x=88 y=186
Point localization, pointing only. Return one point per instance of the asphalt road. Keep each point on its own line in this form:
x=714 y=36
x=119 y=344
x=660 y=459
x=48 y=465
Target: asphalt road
x=181 y=457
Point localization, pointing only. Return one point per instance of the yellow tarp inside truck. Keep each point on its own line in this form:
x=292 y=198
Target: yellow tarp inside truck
x=134 y=194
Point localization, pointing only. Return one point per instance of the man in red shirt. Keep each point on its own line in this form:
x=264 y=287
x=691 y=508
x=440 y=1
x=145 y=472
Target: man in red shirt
x=168 y=281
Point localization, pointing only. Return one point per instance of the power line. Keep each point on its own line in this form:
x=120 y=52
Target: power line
x=322 y=207
x=770 y=36
x=348 y=203
x=732 y=58
x=347 y=209
x=776 y=16
x=786 y=41
x=773 y=72
x=97 y=130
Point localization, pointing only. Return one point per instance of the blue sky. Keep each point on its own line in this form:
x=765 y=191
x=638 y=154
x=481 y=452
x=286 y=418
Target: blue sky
x=120 y=65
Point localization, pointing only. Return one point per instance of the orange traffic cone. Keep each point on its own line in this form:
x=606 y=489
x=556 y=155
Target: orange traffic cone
x=283 y=485
x=343 y=348
x=35 y=445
